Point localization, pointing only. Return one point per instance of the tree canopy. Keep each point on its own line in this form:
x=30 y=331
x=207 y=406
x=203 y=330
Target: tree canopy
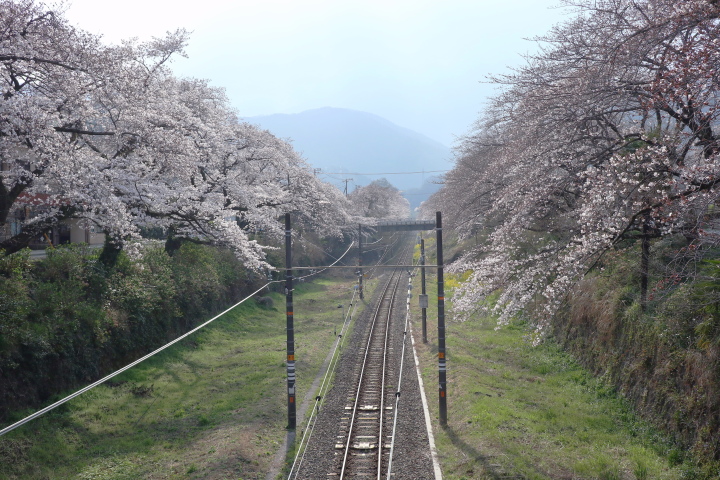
x=378 y=200
x=608 y=133
x=106 y=133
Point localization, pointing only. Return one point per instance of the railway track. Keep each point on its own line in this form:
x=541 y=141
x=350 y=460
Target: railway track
x=352 y=435
x=365 y=436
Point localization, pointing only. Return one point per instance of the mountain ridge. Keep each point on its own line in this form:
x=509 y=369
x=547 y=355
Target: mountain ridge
x=343 y=140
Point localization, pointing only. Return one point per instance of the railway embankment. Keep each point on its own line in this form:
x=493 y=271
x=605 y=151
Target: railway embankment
x=517 y=411
x=211 y=406
x=214 y=406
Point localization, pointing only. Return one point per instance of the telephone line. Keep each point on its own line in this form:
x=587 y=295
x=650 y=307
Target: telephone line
x=383 y=173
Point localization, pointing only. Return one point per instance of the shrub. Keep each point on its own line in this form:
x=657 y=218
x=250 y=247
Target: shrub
x=69 y=319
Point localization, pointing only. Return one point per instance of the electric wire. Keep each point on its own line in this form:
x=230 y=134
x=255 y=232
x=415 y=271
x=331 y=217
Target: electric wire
x=154 y=352
x=386 y=247
x=372 y=269
x=326 y=267
x=375 y=249
x=376 y=241
x=317 y=247
x=127 y=367
x=332 y=366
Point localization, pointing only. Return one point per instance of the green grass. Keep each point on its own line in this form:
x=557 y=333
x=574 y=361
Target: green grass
x=213 y=406
x=517 y=411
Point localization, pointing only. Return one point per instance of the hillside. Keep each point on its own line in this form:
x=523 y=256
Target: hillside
x=342 y=140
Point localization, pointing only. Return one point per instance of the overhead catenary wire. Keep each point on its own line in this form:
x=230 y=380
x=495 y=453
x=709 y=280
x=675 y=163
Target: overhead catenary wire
x=328 y=266
x=373 y=243
x=379 y=263
x=317 y=247
x=375 y=249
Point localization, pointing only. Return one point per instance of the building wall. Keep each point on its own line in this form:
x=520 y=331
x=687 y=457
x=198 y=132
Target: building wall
x=82 y=231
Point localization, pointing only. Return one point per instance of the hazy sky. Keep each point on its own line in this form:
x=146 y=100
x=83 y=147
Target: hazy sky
x=417 y=63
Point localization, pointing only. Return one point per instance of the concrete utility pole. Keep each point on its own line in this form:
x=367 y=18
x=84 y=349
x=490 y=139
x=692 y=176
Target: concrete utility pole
x=292 y=419
x=360 y=270
x=346 y=180
x=442 y=366
x=423 y=293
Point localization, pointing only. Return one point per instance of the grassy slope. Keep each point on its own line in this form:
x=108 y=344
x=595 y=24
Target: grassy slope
x=211 y=407
x=214 y=407
x=517 y=411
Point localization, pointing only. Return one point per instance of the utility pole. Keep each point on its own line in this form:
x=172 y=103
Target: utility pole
x=346 y=180
x=290 y=328
x=360 y=270
x=423 y=293
x=442 y=366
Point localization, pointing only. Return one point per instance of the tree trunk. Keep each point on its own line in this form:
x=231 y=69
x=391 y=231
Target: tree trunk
x=34 y=230
x=110 y=252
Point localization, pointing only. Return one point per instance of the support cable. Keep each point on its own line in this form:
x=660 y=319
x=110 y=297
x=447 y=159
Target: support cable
x=375 y=249
x=376 y=241
x=388 y=248
x=127 y=367
x=325 y=268
x=385 y=252
x=142 y=359
x=317 y=247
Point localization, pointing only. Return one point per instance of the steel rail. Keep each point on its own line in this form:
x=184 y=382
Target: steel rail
x=399 y=381
x=334 y=361
x=381 y=415
x=361 y=382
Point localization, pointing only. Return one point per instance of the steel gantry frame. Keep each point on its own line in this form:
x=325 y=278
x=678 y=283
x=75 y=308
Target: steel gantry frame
x=406 y=226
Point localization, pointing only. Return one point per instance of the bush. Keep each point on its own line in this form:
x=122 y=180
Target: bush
x=69 y=319
x=665 y=359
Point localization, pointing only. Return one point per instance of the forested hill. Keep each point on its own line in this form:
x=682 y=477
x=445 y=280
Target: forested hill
x=343 y=140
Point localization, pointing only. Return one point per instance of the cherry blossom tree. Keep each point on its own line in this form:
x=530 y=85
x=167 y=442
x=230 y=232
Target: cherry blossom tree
x=107 y=133
x=379 y=200
x=607 y=134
